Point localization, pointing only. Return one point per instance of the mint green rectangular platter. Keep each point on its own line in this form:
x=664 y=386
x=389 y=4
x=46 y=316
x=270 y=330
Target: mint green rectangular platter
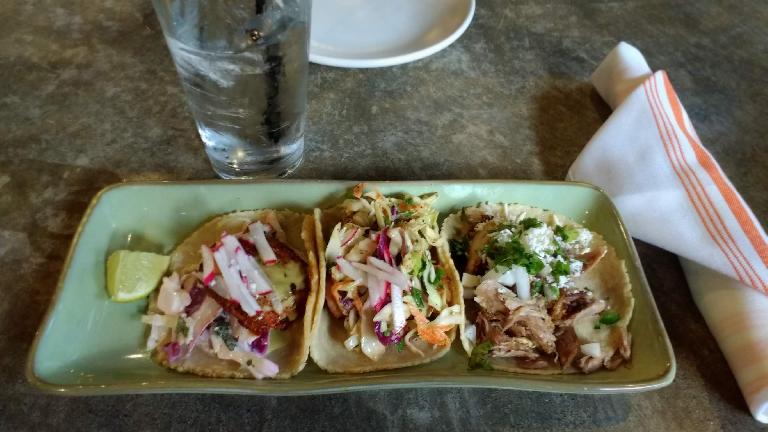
x=90 y=345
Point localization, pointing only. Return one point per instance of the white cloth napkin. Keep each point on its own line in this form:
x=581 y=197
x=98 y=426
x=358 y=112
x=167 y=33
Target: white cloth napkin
x=672 y=193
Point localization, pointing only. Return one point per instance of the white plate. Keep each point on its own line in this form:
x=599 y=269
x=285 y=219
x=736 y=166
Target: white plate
x=376 y=33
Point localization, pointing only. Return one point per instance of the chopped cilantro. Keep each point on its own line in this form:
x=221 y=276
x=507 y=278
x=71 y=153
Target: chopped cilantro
x=405 y=215
x=417 y=297
x=479 y=357
x=458 y=247
x=181 y=327
x=528 y=223
x=557 y=250
x=387 y=333
x=513 y=253
x=609 y=317
x=409 y=200
x=400 y=345
x=222 y=329
x=537 y=287
x=568 y=234
x=417 y=263
x=560 y=268
x=554 y=291
x=439 y=273
x=534 y=264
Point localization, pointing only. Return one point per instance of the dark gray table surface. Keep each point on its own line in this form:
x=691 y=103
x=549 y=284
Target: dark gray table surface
x=89 y=97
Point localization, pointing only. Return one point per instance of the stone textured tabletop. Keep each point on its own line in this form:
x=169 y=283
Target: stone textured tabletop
x=89 y=97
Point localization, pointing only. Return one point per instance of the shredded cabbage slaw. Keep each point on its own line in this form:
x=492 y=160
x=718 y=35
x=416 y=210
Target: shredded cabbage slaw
x=384 y=279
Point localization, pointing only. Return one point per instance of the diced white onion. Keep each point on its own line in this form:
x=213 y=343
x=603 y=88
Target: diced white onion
x=470 y=280
x=507 y=278
x=351 y=342
x=265 y=251
x=523 y=282
x=591 y=350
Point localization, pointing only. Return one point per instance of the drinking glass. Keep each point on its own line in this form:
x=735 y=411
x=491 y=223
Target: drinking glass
x=243 y=66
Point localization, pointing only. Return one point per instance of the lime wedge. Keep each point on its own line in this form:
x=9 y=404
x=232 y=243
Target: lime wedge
x=133 y=275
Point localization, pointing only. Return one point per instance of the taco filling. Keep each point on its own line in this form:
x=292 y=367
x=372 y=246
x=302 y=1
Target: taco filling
x=384 y=278
x=526 y=275
x=248 y=288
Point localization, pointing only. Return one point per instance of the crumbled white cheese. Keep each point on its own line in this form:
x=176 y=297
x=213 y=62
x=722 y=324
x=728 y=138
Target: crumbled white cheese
x=504 y=236
x=538 y=240
x=580 y=245
x=576 y=267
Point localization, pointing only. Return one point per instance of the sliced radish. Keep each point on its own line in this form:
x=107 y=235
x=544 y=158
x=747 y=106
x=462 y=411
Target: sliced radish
x=237 y=289
x=219 y=287
x=256 y=280
x=380 y=274
x=397 y=277
x=350 y=236
x=377 y=292
x=348 y=270
x=266 y=253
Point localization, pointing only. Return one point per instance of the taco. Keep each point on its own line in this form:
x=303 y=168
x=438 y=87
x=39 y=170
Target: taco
x=542 y=293
x=389 y=303
x=240 y=298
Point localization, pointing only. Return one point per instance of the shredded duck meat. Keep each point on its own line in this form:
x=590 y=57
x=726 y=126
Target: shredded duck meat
x=506 y=320
x=568 y=304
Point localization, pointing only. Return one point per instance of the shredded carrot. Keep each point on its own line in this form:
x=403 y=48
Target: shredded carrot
x=430 y=333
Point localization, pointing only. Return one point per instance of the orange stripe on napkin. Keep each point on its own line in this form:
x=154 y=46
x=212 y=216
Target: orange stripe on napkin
x=693 y=196
x=754 y=278
x=709 y=206
x=710 y=166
